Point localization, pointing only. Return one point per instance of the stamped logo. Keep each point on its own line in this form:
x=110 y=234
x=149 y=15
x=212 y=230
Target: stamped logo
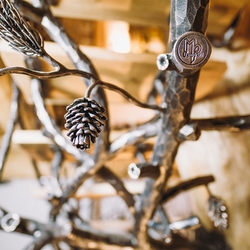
x=192 y=50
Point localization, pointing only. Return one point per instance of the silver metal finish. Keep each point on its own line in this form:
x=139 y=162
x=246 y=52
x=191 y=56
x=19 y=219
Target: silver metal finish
x=13 y=118
x=162 y=61
x=10 y=222
x=178 y=96
x=217 y=211
x=189 y=50
x=185 y=224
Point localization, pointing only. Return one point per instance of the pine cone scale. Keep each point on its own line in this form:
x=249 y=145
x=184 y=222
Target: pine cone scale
x=84 y=119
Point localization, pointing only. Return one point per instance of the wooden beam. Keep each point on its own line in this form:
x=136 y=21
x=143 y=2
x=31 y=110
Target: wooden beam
x=129 y=70
x=221 y=15
x=140 y=12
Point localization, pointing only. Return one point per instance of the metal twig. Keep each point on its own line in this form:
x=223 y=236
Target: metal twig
x=231 y=123
x=6 y=141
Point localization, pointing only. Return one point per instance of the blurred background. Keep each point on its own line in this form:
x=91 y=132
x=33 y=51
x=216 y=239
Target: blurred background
x=123 y=41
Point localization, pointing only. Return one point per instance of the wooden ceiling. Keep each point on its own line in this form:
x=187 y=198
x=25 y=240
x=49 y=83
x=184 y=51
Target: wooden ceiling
x=149 y=13
x=144 y=12
x=137 y=12
x=222 y=14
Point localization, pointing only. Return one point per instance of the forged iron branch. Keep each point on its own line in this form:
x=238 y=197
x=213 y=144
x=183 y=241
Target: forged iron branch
x=13 y=117
x=55 y=133
x=41 y=14
x=82 y=235
x=23 y=38
x=48 y=233
x=189 y=52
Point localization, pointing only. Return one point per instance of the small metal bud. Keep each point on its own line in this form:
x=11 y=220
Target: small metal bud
x=134 y=171
x=217 y=212
x=140 y=170
x=10 y=222
x=162 y=61
x=189 y=132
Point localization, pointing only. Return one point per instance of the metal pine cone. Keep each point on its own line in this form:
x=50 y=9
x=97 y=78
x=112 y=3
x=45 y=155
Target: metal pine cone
x=84 y=119
x=217 y=212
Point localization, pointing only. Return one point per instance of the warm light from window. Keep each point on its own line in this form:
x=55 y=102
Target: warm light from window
x=118 y=38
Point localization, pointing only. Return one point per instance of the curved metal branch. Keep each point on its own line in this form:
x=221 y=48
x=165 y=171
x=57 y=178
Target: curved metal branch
x=44 y=117
x=44 y=75
x=107 y=175
x=10 y=127
x=42 y=15
x=231 y=123
x=124 y=93
x=147 y=130
x=90 y=167
x=186 y=16
x=186 y=185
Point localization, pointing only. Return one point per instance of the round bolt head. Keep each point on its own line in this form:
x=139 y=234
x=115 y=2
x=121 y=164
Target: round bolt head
x=162 y=62
x=191 y=51
x=134 y=171
x=10 y=222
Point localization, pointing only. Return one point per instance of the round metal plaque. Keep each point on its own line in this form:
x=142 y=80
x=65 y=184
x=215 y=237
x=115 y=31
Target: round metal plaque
x=192 y=50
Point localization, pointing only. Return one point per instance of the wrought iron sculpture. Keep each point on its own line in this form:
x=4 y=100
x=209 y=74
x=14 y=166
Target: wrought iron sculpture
x=86 y=117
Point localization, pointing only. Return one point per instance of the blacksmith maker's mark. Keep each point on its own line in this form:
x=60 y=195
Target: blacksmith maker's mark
x=192 y=50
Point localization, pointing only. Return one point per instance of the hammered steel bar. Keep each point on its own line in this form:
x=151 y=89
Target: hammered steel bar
x=186 y=16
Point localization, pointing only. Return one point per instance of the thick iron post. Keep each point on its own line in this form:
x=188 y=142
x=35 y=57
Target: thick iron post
x=189 y=51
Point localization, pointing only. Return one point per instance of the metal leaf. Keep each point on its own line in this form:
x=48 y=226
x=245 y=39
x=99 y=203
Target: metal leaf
x=217 y=211
x=19 y=34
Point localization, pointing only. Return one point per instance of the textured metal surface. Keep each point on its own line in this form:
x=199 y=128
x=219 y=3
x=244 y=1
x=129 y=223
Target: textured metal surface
x=13 y=118
x=187 y=15
x=217 y=211
x=52 y=130
x=178 y=96
x=84 y=120
x=41 y=14
x=189 y=50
